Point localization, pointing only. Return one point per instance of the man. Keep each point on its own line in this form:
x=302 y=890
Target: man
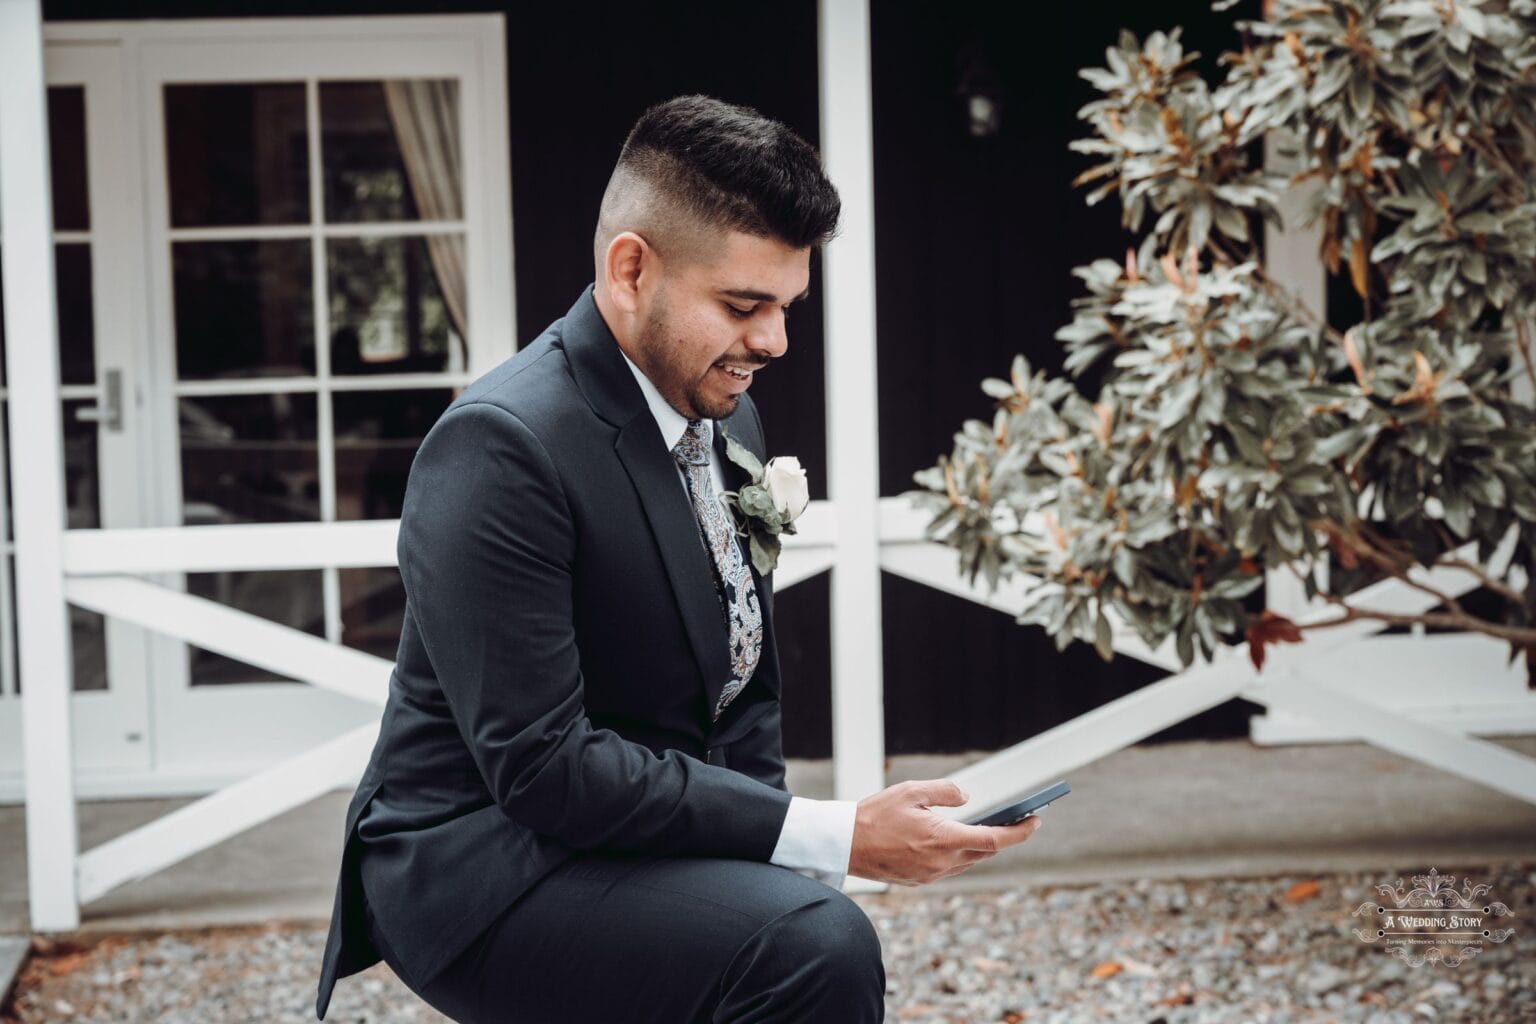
x=576 y=809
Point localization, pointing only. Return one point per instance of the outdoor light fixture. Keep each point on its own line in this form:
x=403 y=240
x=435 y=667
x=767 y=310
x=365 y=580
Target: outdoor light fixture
x=981 y=92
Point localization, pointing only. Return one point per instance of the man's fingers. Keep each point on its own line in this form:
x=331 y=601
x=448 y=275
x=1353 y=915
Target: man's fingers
x=992 y=838
x=939 y=793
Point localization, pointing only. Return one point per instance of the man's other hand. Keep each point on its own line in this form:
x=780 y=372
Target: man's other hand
x=897 y=839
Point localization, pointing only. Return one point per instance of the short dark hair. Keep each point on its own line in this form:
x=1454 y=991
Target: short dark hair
x=730 y=166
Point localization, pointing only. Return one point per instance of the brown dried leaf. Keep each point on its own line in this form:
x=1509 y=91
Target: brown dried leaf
x=1106 y=414
x=1302 y=891
x=1345 y=553
x=1353 y=355
x=1171 y=269
x=1425 y=383
x=1269 y=628
x=1185 y=494
x=1107 y=969
x=69 y=963
x=1357 y=265
x=1054 y=528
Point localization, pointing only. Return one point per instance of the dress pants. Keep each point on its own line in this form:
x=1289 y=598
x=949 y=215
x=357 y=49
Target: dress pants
x=611 y=939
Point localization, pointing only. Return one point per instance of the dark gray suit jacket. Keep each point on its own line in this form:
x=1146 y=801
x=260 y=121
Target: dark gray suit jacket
x=562 y=647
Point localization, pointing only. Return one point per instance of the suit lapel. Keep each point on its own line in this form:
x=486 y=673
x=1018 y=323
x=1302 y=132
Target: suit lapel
x=600 y=371
x=676 y=530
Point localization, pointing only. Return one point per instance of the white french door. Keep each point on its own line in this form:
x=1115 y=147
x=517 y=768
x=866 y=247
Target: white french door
x=321 y=236
x=95 y=247
x=321 y=226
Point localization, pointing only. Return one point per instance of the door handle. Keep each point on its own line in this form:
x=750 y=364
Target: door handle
x=110 y=412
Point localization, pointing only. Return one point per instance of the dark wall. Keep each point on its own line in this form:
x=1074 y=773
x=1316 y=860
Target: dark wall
x=976 y=241
x=976 y=238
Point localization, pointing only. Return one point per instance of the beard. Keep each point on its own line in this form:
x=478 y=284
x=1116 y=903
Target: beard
x=665 y=363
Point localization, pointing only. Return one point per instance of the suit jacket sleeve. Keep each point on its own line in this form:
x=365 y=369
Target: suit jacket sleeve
x=486 y=548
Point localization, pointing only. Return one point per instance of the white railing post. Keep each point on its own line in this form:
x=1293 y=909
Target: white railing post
x=37 y=461
x=853 y=454
x=1291 y=260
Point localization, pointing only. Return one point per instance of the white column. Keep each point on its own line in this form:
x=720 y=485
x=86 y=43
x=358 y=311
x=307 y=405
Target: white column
x=847 y=147
x=37 y=460
x=1291 y=260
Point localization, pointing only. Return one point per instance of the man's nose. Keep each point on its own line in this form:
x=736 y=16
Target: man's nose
x=769 y=336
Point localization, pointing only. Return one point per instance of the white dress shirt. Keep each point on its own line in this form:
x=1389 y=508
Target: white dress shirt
x=817 y=837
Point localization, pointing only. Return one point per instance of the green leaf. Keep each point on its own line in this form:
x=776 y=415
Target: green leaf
x=742 y=456
x=1103 y=637
x=765 y=551
x=1184 y=642
x=1125 y=565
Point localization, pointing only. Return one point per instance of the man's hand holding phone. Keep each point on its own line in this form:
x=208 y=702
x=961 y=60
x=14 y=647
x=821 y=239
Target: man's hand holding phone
x=897 y=839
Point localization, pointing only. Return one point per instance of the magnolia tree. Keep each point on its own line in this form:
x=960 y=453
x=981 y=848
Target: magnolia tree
x=1231 y=429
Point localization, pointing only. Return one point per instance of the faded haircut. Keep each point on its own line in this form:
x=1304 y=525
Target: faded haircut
x=694 y=168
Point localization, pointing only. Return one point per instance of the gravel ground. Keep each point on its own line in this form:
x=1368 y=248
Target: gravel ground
x=1166 y=952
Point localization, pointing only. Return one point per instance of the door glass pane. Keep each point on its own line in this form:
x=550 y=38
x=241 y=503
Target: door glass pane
x=77 y=328
x=377 y=434
x=388 y=310
x=292 y=598
x=391 y=150
x=237 y=154
x=66 y=146
x=249 y=459
x=82 y=498
x=81 y=492
x=243 y=309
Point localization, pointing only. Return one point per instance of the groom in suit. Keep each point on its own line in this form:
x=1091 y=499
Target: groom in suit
x=576 y=807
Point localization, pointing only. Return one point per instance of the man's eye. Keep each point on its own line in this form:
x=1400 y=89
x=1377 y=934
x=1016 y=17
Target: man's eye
x=739 y=314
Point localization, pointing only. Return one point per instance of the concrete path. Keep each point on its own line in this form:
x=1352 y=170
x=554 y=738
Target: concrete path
x=1189 y=809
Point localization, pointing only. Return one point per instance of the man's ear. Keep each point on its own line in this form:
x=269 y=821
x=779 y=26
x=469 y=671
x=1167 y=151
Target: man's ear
x=629 y=267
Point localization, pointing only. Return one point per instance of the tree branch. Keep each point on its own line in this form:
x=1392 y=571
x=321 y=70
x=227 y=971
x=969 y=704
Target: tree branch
x=1515 y=634
x=1489 y=580
x=1379 y=557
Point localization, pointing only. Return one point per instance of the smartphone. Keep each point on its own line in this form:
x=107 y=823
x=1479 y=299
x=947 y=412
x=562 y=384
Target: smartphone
x=1034 y=802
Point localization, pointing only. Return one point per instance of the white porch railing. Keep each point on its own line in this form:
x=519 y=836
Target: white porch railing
x=98 y=572
x=1290 y=682
x=98 y=565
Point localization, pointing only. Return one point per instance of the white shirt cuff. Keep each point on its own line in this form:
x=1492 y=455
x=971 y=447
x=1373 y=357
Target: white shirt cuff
x=817 y=839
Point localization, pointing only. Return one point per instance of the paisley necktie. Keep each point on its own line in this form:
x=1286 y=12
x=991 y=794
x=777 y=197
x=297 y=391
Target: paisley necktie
x=733 y=577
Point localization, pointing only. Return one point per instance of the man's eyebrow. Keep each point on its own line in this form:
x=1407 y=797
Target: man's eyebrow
x=753 y=295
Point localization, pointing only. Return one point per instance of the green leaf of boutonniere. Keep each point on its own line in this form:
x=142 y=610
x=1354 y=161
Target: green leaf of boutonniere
x=753 y=509
x=755 y=501
x=742 y=456
x=765 y=551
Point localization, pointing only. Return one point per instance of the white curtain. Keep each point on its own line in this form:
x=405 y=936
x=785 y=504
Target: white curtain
x=425 y=116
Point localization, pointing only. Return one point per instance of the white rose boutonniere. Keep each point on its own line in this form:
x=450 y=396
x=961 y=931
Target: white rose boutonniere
x=769 y=505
